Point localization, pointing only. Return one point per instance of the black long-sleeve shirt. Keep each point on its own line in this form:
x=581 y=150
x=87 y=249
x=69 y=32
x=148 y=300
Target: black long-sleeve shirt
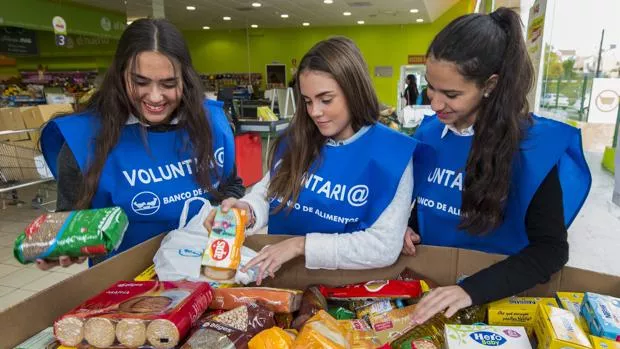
x=70 y=178
x=546 y=253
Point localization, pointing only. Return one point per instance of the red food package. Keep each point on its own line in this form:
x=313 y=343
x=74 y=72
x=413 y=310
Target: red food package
x=134 y=313
x=391 y=289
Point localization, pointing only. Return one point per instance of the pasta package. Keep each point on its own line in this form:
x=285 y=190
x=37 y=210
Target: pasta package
x=362 y=336
x=75 y=234
x=323 y=332
x=273 y=338
x=222 y=255
x=132 y=314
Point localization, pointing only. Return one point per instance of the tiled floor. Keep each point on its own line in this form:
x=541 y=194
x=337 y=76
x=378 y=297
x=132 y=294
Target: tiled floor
x=594 y=239
x=17 y=281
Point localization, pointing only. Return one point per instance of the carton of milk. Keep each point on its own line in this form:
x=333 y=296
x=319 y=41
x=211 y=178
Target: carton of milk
x=485 y=337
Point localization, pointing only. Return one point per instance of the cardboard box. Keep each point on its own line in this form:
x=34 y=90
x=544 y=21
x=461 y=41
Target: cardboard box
x=602 y=313
x=35 y=117
x=517 y=311
x=11 y=120
x=444 y=265
x=572 y=301
x=604 y=343
x=482 y=336
x=557 y=328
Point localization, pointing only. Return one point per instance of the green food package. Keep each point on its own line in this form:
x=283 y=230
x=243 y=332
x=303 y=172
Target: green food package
x=341 y=314
x=74 y=234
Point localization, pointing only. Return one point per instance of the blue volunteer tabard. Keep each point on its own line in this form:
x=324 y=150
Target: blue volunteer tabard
x=438 y=188
x=351 y=187
x=149 y=181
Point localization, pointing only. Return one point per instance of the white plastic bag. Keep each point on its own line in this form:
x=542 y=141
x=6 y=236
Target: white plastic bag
x=180 y=253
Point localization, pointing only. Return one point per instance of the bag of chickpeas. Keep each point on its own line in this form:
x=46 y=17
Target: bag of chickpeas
x=74 y=234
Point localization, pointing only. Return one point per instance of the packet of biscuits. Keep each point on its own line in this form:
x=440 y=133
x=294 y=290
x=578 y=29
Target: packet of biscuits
x=275 y=299
x=134 y=314
x=222 y=254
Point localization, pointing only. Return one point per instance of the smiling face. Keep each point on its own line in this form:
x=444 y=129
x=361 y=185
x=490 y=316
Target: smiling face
x=455 y=99
x=154 y=86
x=326 y=104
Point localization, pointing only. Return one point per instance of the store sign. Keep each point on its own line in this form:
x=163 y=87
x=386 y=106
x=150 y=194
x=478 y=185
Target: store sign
x=60 y=31
x=416 y=59
x=18 y=41
x=604 y=101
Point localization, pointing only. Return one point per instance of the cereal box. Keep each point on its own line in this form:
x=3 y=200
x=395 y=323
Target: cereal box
x=483 y=336
x=572 y=301
x=604 y=343
x=517 y=311
x=602 y=314
x=557 y=328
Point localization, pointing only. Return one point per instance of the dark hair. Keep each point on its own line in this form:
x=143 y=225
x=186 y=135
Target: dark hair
x=343 y=61
x=113 y=104
x=412 y=85
x=481 y=46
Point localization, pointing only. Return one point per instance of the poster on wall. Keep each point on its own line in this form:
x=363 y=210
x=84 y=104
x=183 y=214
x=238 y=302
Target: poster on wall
x=534 y=43
x=18 y=42
x=604 y=101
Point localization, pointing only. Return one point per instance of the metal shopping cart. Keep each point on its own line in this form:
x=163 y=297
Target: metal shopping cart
x=22 y=165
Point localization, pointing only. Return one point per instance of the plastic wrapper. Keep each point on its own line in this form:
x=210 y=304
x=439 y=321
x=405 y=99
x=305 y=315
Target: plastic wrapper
x=275 y=299
x=393 y=324
x=322 y=332
x=426 y=283
x=311 y=302
x=362 y=336
x=382 y=306
x=232 y=329
x=284 y=320
x=273 y=338
x=341 y=313
x=222 y=254
x=75 y=234
x=419 y=344
x=388 y=289
x=132 y=314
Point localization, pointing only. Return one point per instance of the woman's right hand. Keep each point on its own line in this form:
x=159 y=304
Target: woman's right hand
x=225 y=206
x=63 y=261
x=411 y=239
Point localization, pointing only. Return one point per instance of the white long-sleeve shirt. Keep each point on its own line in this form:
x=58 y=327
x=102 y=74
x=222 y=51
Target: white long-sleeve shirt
x=375 y=247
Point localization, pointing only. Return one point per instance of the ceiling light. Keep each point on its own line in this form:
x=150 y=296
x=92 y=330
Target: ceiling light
x=346 y=13
x=190 y=8
x=360 y=22
x=256 y=4
x=254 y=26
x=305 y=24
x=226 y=18
x=328 y=1
x=419 y=20
x=414 y=10
x=206 y=27
x=284 y=15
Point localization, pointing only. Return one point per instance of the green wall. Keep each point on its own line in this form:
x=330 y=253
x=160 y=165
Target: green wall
x=38 y=15
x=216 y=51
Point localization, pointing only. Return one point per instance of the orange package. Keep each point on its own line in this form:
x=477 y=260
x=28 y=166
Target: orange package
x=223 y=252
x=273 y=338
x=362 y=335
x=275 y=299
x=322 y=331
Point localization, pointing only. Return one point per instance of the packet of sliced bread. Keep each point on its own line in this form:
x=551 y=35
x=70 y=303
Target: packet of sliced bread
x=222 y=254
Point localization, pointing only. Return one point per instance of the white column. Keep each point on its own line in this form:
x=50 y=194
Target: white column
x=157 y=7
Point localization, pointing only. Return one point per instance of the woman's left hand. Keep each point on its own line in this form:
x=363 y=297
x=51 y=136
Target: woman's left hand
x=452 y=298
x=271 y=257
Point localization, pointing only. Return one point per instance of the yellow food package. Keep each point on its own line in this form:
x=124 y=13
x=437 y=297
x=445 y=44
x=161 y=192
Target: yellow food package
x=557 y=328
x=572 y=301
x=223 y=252
x=147 y=275
x=393 y=324
x=604 y=343
x=273 y=338
x=322 y=331
x=517 y=311
x=362 y=336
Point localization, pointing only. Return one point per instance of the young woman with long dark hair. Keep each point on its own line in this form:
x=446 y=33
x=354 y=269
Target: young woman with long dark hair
x=504 y=180
x=147 y=140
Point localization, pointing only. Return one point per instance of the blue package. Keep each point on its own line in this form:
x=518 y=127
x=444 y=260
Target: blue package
x=602 y=314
